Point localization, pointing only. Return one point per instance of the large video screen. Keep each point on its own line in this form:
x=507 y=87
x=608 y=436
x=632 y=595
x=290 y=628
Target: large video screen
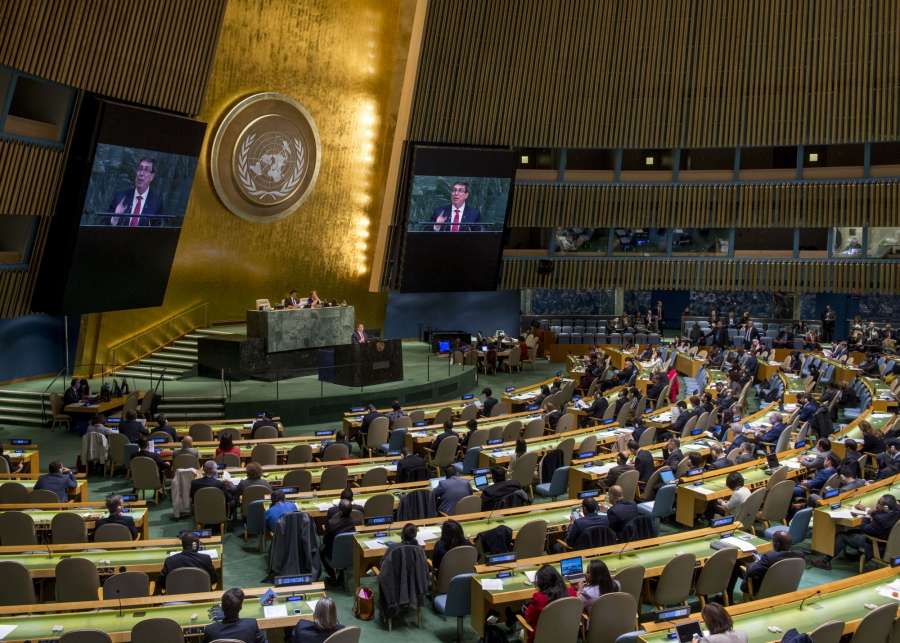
x=457 y=202
x=120 y=209
x=135 y=188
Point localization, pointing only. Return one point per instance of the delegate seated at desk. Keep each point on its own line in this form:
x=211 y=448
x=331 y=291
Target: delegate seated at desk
x=189 y=556
x=59 y=480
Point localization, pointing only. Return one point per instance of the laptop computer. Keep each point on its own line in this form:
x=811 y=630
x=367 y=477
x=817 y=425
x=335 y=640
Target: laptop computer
x=572 y=569
x=687 y=631
x=666 y=476
x=481 y=481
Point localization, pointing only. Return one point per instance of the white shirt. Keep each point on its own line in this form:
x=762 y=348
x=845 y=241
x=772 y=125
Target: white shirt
x=134 y=200
x=737 y=499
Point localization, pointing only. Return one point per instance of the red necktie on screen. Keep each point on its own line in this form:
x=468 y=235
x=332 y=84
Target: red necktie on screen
x=135 y=213
x=455 y=226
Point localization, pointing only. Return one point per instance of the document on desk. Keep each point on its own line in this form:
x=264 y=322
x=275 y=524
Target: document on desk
x=492 y=584
x=275 y=611
x=530 y=574
x=373 y=544
x=737 y=543
x=5 y=630
x=841 y=514
x=212 y=553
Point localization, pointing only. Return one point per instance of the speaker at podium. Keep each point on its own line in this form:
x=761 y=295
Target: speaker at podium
x=377 y=361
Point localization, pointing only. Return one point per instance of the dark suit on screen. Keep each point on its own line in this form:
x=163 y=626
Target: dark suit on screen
x=469 y=215
x=151 y=206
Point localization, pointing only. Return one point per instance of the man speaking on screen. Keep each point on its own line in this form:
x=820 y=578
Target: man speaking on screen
x=455 y=216
x=132 y=207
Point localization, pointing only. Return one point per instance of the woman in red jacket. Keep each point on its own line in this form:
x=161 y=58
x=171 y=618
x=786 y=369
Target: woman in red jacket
x=551 y=586
x=226 y=445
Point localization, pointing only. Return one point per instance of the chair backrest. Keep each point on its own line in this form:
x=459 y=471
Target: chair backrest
x=892 y=548
x=566 y=423
x=234 y=434
x=478 y=438
x=459 y=560
x=160 y=435
x=559 y=483
x=876 y=626
x=154 y=630
x=402 y=422
x=347 y=634
x=503 y=407
x=266 y=432
x=469 y=412
x=530 y=539
x=496 y=432
x=781 y=578
x=17 y=528
x=784 y=441
x=56 y=403
x=559 y=621
x=67 y=527
x=85 y=636
x=300 y=454
x=648 y=437
x=299 y=478
x=18 y=586
x=675 y=581
x=746 y=513
x=416 y=416
x=145 y=473
x=534 y=428
x=336 y=451
x=334 y=477
x=126 y=585
x=443 y=415
x=523 y=469
x=187 y=580
x=567 y=446
x=716 y=573
x=230 y=460
x=264 y=454
x=512 y=431
x=830 y=632
x=209 y=506
x=252 y=493
x=185 y=461
x=378 y=432
x=689 y=426
x=446 y=451
x=778 y=501
x=13 y=493
x=631 y=581
x=683 y=466
x=76 y=580
x=459 y=596
x=588 y=444
x=799 y=525
x=397 y=436
x=611 y=615
x=778 y=475
x=111 y=532
x=628 y=481
x=376 y=476
x=342 y=551
x=468 y=505
x=664 y=502
x=37 y=496
x=381 y=504
x=201 y=432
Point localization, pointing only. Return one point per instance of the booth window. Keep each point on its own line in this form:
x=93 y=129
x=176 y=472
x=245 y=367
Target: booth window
x=16 y=237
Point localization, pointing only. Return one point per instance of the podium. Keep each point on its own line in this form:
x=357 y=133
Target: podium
x=378 y=361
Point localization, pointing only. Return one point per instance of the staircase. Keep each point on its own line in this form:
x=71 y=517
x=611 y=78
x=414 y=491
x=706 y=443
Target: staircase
x=22 y=408
x=192 y=407
x=178 y=359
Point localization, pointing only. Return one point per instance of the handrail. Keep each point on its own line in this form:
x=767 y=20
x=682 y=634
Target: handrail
x=168 y=337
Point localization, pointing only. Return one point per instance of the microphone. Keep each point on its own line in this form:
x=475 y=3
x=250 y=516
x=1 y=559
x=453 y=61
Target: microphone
x=119 y=597
x=813 y=595
x=622 y=551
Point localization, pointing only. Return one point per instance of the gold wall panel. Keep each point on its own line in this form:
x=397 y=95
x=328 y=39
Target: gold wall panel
x=658 y=73
x=688 y=274
x=341 y=60
x=814 y=205
x=152 y=52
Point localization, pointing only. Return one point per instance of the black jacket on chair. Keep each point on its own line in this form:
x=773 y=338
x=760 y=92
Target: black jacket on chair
x=403 y=581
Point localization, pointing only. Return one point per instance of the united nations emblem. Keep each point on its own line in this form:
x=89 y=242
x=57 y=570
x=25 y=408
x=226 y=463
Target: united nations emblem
x=265 y=157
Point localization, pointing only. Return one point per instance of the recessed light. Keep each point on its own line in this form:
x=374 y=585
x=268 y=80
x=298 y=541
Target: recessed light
x=524 y=160
x=813 y=157
x=648 y=160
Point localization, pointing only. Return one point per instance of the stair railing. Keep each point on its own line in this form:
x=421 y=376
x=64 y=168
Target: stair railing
x=140 y=345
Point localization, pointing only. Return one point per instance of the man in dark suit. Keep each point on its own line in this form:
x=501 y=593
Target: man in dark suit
x=163 y=426
x=292 y=300
x=146 y=449
x=643 y=461
x=131 y=428
x=774 y=431
x=756 y=571
x=621 y=467
x=488 y=403
x=878 y=524
x=189 y=556
x=621 y=511
x=454 y=216
x=719 y=335
x=411 y=468
x=72 y=394
x=591 y=517
x=748 y=334
x=211 y=479
x=359 y=336
x=232 y=626
x=450 y=491
x=448 y=432
x=115 y=507
x=672 y=453
x=492 y=497
x=716 y=459
x=134 y=207
x=368 y=418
